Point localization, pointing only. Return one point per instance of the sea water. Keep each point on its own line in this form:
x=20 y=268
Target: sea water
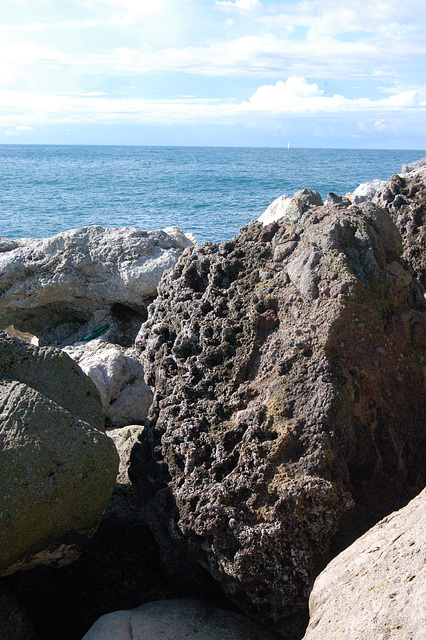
x=208 y=191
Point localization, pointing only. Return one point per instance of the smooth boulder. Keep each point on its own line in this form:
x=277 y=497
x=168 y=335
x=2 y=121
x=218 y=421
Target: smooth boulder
x=377 y=587
x=119 y=377
x=58 y=467
x=174 y=620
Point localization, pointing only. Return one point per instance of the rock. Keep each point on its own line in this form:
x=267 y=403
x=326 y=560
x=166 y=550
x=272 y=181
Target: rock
x=407 y=168
x=366 y=191
x=289 y=210
x=288 y=412
x=124 y=439
x=377 y=587
x=333 y=199
x=119 y=377
x=63 y=280
x=58 y=467
x=405 y=199
x=173 y=620
x=276 y=210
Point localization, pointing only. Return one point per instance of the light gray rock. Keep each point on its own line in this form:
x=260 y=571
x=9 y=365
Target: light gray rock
x=289 y=210
x=58 y=467
x=276 y=210
x=302 y=272
x=174 y=620
x=412 y=166
x=66 y=278
x=377 y=587
x=124 y=439
x=119 y=377
x=366 y=191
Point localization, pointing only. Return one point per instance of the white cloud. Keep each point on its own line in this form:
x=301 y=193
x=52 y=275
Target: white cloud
x=296 y=95
x=293 y=97
x=246 y=5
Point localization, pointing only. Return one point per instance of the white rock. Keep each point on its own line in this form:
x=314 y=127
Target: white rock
x=276 y=210
x=290 y=210
x=175 y=620
x=376 y=589
x=366 y=191
x=119 y=377
x=69 y=276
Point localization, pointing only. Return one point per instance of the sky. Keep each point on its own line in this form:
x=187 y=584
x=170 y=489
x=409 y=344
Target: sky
x=309 y=73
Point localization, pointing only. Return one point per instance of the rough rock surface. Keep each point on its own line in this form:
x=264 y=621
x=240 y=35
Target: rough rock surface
x=119 y=377
x=61 y=281
x=289 y=401
x=405 y=198
x=58 y=467
x=124 y=439
x=174 y=620
x=289 y=210
x=377 y=587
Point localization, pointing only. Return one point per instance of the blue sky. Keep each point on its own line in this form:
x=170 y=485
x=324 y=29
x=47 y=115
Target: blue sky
x=314 y=73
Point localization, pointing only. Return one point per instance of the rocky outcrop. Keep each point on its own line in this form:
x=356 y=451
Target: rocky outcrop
x=172 y=619
x=52 y=287
x=288 y=409
x=119 y=377
x=404 y=196
x=289 y=210
x=377 y=587
x=58 y=467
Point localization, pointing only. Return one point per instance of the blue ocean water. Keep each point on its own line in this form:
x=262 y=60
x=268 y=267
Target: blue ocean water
x=209 y=191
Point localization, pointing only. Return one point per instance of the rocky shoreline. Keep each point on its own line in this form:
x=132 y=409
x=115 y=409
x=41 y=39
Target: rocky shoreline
x=266 y=396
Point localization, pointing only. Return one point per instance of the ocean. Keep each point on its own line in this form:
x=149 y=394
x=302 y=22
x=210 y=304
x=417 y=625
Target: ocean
x=208 y=191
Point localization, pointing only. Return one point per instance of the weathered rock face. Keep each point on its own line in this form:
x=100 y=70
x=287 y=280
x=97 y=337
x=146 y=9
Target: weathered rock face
x=51 y=287
x=377 y=587
x=289 y=392
x=119 y=377
x=405 y=198
x=175 y=619
x=58 y=468
x=289 y=210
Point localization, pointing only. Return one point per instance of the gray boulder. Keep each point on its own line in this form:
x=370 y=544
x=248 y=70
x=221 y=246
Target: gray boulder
x=63 y=280
x=377 y=587
x=58 y=467
x=174 y=620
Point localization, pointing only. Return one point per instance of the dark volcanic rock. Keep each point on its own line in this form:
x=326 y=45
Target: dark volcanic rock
x=288 y=405
x=405 y=198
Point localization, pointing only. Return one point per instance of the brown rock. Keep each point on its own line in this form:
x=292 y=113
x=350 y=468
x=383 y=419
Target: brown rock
x=264 y=433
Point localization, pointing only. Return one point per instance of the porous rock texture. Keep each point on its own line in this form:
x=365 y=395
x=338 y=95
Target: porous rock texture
x=288 y=409
x=51 y=287
x=404 y=196
x=174 y=620
x=58 y=467
x=377 y=587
